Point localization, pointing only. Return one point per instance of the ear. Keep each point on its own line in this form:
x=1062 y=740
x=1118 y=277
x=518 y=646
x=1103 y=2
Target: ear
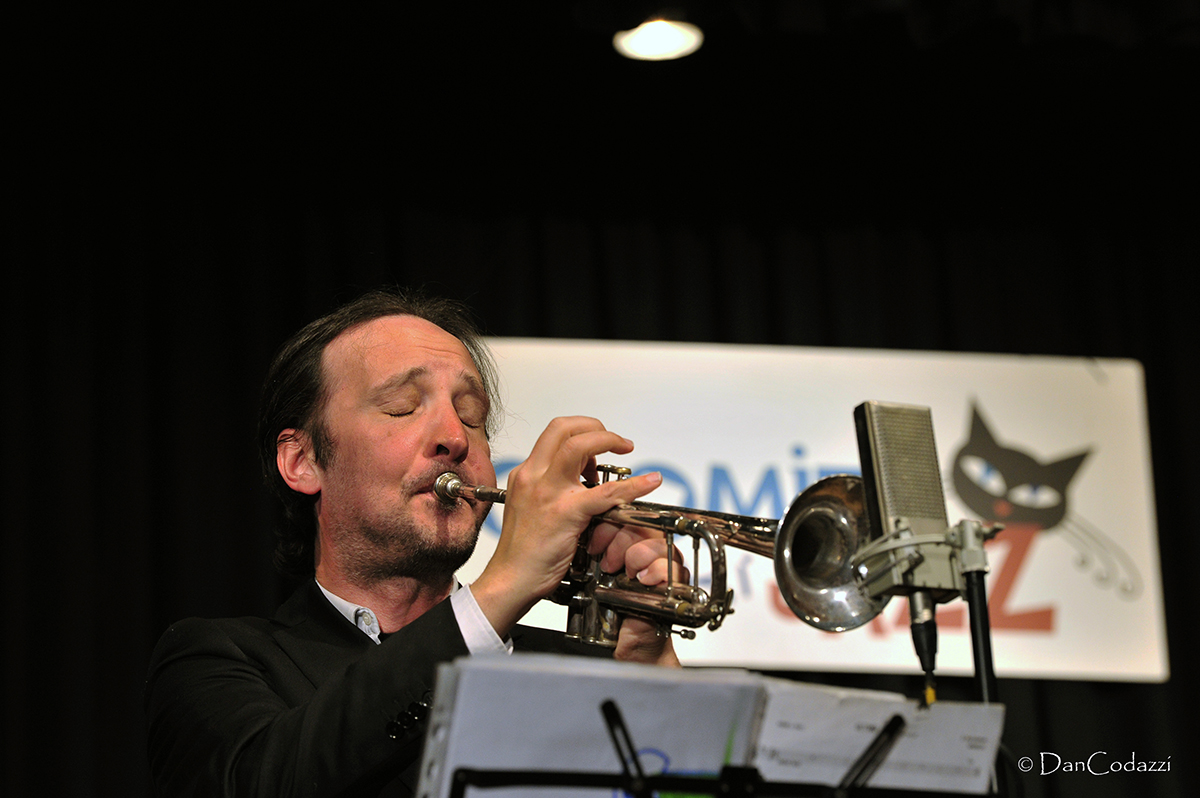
x=293 y=458
x=980 y=431
x=1067 y=467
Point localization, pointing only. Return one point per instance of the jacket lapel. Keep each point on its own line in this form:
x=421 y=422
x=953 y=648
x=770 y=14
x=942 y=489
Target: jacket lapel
x=315 y=636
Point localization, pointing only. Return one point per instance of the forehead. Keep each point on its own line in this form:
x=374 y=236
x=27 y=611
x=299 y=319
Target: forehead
x=381 y=348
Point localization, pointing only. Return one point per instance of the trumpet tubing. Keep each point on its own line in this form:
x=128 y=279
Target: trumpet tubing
x=811 y=547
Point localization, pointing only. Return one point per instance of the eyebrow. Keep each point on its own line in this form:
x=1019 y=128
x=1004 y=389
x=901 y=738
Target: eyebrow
x=396 y=382
x=414 y=374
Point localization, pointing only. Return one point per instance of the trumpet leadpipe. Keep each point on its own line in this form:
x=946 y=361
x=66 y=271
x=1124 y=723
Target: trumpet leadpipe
x=750 y=534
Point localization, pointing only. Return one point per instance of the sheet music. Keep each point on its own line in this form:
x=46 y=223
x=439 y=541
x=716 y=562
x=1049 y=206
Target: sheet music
x=813 y=734
x=541 y=712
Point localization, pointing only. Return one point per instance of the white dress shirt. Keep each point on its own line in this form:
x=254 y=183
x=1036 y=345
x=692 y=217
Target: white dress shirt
x=479 y=635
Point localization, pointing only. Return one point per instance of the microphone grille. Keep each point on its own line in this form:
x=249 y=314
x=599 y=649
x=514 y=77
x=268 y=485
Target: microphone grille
x=904 y=457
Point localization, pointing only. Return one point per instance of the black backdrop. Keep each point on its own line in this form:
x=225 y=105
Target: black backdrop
x=193 y=185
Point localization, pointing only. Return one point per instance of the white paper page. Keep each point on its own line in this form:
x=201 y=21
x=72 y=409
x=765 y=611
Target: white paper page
x=813 y=734
x=542 y=712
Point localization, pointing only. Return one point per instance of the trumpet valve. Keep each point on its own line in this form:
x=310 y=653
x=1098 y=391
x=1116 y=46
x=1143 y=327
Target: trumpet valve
x=607 y=472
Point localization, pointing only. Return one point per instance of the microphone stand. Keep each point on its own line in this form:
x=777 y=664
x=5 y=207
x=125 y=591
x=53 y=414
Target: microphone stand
x=973 y=565
x=961 y=548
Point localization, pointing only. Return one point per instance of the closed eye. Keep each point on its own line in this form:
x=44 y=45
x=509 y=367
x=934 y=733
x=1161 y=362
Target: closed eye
x=472 y=417
x=472 y=409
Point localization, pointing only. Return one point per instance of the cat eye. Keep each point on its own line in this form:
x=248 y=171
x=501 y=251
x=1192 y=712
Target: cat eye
x=984 y=474
x=1037 y=496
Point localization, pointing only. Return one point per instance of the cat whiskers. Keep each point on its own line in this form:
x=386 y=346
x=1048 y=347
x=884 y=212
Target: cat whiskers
x=1092 y=544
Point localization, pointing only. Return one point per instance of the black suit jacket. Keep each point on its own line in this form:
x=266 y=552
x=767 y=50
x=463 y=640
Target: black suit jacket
x=303 y=704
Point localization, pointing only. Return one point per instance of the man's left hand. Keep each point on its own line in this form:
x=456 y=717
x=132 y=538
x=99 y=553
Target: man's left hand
x=644 y=559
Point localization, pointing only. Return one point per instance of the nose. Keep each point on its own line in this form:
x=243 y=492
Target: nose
x=448 y=437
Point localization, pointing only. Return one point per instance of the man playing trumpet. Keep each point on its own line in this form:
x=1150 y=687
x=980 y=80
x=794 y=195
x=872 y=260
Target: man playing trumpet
x=362 y=410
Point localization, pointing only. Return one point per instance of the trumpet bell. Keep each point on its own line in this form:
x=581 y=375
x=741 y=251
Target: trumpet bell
x=816 y=539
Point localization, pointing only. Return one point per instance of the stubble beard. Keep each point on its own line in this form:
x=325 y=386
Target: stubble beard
x=401 y=547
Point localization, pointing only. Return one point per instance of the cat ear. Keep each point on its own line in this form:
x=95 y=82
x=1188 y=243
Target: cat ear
x=980 y=432
x=1066 y=467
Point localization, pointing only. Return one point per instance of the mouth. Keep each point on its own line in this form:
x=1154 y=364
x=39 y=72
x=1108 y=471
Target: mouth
x=432 y=485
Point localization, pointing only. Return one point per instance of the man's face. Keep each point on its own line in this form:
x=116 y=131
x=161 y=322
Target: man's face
x=405 y=403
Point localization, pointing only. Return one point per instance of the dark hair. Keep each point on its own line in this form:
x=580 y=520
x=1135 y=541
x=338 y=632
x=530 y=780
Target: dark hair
x=294 y=397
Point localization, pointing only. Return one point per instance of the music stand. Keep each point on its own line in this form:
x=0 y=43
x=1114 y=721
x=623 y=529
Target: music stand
x=732 y=781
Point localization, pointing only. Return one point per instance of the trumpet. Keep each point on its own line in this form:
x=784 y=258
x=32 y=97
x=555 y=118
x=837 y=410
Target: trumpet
x=812 y=546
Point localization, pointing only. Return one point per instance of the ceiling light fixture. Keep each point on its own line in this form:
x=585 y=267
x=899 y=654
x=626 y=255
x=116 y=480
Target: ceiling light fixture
x=659 y=40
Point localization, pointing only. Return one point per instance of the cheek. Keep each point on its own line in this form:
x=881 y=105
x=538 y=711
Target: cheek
x=480 y=458
x=395 y=443
x=481 y=514
x=372 y=459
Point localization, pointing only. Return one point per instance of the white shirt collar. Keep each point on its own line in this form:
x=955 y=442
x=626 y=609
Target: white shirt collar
x=363 y=617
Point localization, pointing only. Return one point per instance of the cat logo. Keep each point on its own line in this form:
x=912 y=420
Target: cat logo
x=1003 y=484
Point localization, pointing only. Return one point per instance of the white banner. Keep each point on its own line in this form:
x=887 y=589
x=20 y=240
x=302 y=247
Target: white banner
x=1056 y=449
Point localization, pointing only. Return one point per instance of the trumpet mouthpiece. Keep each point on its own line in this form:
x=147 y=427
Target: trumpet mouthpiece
x=448 y=487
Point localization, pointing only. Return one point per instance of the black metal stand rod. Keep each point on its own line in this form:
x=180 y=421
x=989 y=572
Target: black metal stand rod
x=981 y=647
x=730 y=783
x=981 y=636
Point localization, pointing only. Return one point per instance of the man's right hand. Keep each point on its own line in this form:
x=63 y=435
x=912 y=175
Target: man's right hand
x=546 y=509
